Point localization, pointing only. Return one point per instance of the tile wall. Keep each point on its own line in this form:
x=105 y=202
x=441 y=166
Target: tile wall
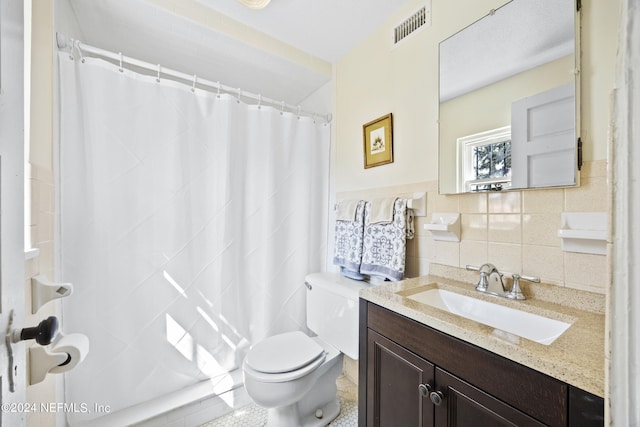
x=41 y=229
x=516 y=230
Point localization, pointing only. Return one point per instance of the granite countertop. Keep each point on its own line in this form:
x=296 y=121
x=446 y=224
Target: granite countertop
x=576 y=357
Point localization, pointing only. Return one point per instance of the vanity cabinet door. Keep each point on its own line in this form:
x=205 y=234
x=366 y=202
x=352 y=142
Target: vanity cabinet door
x=585 y=409
x=464 y=405
x=394 y=377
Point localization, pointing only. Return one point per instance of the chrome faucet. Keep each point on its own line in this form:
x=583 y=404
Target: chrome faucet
x=486 y=272
x=491 y=282
x=496 y=285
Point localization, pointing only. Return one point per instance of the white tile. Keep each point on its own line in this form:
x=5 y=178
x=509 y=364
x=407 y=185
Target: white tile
x=253 y=415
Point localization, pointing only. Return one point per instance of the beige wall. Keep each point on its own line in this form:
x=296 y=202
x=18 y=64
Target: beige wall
x=515 y=230
x=375 y=79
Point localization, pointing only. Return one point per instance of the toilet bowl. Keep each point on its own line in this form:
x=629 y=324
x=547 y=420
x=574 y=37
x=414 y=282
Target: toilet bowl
x=294 y=375
x=298 y=387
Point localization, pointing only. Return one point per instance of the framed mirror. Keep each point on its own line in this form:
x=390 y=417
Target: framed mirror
x=508 y=110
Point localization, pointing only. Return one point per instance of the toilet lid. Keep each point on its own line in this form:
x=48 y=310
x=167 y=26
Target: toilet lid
x=283 y=353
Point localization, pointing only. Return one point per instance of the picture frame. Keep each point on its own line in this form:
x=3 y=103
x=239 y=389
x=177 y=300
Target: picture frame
x=378 y=141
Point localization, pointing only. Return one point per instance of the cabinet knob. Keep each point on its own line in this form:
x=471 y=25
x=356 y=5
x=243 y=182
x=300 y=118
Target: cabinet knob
x=436 y=397
x=424 y=389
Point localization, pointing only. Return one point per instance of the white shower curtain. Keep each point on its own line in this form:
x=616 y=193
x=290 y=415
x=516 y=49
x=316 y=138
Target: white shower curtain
x=188 y=223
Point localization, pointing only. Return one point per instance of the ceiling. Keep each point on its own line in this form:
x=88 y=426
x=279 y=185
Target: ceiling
x=514 y=38
x=327 y=29
x=220 y=40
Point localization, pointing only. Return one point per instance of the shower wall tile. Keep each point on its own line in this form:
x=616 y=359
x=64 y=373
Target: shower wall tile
x=473 y=253
x=425 y=245
x=597 y=168
x=473 y=203
x=543 y=201
x=440 y=203
x=585 y=271
x=507 y=202
x=474 y=227
x=545 y=262
x=506 y=256
x=541 y=229
x=447 y=253
x=46 y=259
x=43 y=228
x=591 y=196
x=505 y=228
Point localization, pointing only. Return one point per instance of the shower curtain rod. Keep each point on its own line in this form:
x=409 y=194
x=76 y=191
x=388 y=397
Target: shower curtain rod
x=64 y=42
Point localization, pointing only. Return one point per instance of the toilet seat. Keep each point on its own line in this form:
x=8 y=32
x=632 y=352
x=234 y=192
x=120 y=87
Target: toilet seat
x=284 y=357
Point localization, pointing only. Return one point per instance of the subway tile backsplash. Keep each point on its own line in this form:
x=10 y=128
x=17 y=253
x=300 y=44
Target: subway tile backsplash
x=515 y=230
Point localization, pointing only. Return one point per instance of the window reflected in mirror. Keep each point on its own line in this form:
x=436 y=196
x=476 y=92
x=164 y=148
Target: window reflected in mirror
x=485 y=160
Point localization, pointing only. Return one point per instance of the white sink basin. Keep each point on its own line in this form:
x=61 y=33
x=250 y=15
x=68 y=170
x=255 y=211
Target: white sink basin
x=533 y=327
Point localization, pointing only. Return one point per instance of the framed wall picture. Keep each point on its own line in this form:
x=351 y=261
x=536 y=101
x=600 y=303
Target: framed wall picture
x=378 y=141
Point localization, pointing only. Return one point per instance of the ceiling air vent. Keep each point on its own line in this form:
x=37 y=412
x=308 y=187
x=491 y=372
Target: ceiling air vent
x=420 y=19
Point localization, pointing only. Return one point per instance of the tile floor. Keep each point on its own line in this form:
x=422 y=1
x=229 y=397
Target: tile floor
x=255 y=416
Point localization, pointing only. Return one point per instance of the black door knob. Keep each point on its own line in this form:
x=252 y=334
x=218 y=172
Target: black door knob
x=44 y=333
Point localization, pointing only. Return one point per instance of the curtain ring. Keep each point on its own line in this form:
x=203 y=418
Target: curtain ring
x=158 y=76
x=239 y=94
x=218 y=95
x=299 y=110
x=76 y=46
x=120 y=69
x=193 y=87
x=259 y=101
x=282 y=108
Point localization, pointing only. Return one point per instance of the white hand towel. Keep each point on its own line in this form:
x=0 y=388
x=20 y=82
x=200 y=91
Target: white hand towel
x=381 y=210
x=346 y=210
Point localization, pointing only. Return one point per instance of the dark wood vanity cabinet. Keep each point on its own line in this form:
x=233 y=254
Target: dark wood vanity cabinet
x=413 y=375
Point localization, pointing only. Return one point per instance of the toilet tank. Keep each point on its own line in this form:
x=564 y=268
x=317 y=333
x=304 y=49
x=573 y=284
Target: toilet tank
x=332 y=310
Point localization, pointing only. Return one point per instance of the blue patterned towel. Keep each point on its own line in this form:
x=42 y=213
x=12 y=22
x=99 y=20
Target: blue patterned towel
x=348 y=244
x=384 y=248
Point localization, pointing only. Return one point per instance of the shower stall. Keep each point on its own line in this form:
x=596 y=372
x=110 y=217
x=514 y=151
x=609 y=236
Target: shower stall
x=188 y=219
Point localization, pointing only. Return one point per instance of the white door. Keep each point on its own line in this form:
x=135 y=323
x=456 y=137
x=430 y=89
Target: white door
x=12 y=367
x=543 y=139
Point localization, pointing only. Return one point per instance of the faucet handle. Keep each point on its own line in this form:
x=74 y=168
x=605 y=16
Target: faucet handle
x=516 y=292
x=472 y=268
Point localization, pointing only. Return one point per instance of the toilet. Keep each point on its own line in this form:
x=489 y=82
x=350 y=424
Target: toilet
x=293 y=374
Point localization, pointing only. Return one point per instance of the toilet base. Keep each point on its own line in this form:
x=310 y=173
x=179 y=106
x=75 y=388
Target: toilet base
x=288 y=416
